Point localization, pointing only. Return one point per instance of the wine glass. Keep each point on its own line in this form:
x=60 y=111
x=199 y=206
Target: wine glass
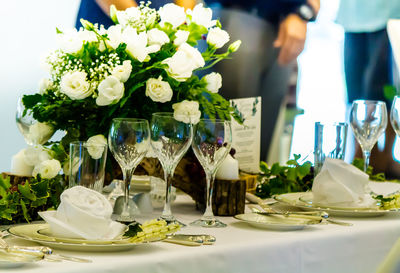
x=170 y=140
x=34 y=132
x=395 y=115
x=128 y=140
x=368 y=119
x=212 y=140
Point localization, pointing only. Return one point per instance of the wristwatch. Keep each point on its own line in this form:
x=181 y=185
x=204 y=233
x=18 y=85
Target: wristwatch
x=306 y=12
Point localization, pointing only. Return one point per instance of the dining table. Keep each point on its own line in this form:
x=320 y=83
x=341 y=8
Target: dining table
x=240 y=248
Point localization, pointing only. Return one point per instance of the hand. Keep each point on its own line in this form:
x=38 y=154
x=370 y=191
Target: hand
x=291 y=38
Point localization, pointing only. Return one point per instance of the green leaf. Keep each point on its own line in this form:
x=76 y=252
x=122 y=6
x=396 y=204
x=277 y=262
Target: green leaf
x=133 y=229
x=5 y=182
x=24 y=210
x=303 y=170
x=264 y=167
x=26 y=191
x=58 y=31
x=275 y=169
x=291 y=174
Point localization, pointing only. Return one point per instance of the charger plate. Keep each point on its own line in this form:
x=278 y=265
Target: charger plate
x=40 y=233
x=303 y=200
x=275 y=222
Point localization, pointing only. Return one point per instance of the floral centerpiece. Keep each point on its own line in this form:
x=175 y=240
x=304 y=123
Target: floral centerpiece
x=145 y=63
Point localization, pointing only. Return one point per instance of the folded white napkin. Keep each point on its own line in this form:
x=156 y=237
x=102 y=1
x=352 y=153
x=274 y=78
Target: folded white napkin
x=341 y=184
x=83 y=213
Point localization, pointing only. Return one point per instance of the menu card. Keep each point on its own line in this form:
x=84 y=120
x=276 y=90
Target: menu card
x=246 y=138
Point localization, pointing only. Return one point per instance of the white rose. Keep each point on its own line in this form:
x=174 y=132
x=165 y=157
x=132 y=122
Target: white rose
x=96 y=145
x=217 y=37
x=157 y=37
x=181 y=37
x=35 y=155
x=75 y=86
x=136 y=44
x=87 y=36
x=202 y=16
x=187 y=111
x=111 y=90
x=158 y=90
x=44 y=84
x=47 y=169
x=214 y=82
x=173 y=14
x=69 y=41
x=114 y=34
x=122 y=72
x=183 y=62
x=40 y=132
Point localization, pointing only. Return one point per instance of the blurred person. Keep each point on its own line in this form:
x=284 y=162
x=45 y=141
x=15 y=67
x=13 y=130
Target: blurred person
x=97 y=11
x=273 y=33
x=368 y=62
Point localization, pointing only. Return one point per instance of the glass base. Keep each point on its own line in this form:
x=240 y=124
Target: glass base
x=125 y=219
x=171 y=220
x=211 y=223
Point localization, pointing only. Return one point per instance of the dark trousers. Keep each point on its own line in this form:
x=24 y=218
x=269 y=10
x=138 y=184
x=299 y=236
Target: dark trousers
x=367 y=65
x=253 y=69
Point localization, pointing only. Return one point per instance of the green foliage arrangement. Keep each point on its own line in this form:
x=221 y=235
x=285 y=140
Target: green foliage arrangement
x=20 y=203
x=277 y=179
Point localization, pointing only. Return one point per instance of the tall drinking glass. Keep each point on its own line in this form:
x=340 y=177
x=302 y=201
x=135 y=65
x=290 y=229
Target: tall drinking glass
x=128 y=140
x=212 y=140
x=368 y=119
x=170 y=140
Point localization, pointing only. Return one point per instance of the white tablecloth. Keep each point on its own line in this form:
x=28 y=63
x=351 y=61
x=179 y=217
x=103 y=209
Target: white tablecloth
x=241 y=248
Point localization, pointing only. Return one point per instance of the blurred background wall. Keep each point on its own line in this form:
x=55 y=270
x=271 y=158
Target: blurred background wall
x=27 y=32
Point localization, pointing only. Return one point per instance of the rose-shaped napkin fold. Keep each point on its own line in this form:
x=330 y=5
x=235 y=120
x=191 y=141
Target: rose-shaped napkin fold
x=85 y=214
x=341 y=184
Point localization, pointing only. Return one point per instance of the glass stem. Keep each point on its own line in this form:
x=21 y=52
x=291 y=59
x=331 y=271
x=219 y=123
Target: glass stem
x=208 y=214
x=167 y=214
x=366 y=154
x=127 y=178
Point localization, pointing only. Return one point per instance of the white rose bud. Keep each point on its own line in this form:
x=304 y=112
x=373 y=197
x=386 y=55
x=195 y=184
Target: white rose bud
x=187 y=111
x=96 y=146
x=34 y=155
x=75 y=86
x=40 y=132
x=122 y=72
x=47 y=169
x=44 y=84
x=157 y=37
x=158 y=90
x=234 y=46
x=173 y=14
x=181 y=37
x=111 y=90
x=202 y=16
x=214 y=82
x=183 y=62
x=217 y=37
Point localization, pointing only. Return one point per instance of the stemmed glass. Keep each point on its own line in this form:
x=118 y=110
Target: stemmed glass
x=33 y=132
x=212 y=140
x=128 y=140
x=368 y=119
x=395 y=115
x=170 y=140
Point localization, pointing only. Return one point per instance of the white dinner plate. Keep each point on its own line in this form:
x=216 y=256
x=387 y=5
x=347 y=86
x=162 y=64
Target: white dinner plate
x=40 y=233
x=294 y=199
x=275 y=222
